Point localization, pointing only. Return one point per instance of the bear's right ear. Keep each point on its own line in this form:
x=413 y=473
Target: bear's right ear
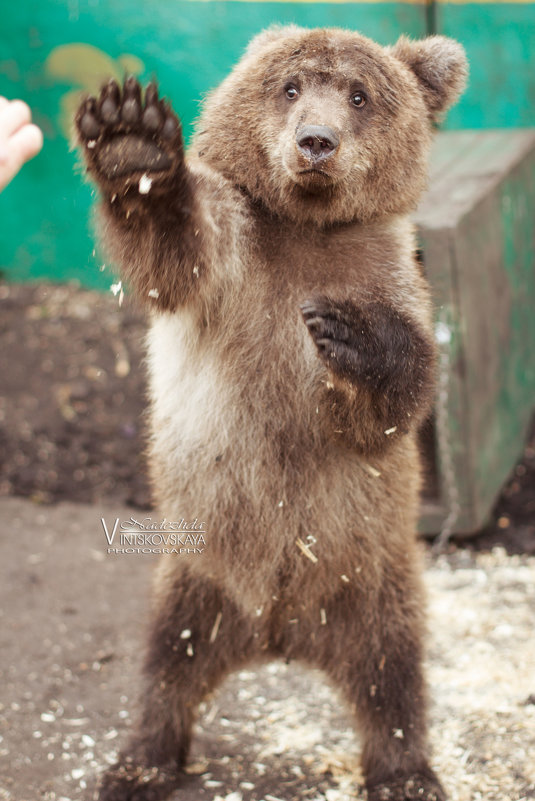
x=440 y=65
x=271 y=34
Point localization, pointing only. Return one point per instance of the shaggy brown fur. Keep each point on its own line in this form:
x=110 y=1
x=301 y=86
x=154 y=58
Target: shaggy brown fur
x=291 y=360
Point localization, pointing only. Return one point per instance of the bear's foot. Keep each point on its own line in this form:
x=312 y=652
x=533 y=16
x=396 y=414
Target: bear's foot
x=127 y=782
x=418 y=787
x=129 y=141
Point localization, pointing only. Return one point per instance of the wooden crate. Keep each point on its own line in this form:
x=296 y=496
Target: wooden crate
x=476 y=228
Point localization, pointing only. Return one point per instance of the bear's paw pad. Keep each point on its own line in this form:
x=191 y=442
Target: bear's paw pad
x=125 y=135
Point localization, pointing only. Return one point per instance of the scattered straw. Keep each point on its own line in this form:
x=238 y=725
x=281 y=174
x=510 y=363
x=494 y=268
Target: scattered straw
x=306 y=550
x=215 y=628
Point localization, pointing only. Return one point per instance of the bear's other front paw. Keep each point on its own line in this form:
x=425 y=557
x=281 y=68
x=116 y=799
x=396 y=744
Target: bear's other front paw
x=344 y=339
x=128 y=140
x=127 y=782
x=418 y=787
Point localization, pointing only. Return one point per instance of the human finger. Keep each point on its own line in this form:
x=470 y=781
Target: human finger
x=22 y=146
x=13 y=116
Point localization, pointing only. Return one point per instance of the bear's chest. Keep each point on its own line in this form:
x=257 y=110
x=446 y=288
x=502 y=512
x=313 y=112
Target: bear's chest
x=296 y=262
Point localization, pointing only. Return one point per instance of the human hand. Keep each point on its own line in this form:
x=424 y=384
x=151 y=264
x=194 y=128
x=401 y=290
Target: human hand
x=19 y=139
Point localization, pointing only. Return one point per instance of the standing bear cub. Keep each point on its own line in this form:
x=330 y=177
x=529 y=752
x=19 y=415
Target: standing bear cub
x=291 y=361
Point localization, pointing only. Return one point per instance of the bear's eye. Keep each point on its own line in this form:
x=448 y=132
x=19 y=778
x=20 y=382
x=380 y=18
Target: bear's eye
x=291 y=92
x=358 y=99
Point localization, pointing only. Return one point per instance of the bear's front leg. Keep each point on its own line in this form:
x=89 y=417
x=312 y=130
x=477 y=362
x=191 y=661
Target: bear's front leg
x=382 y=364
x=151 y=219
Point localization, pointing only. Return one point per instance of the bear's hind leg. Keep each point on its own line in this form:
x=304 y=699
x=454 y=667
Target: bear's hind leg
x=371 y=647
x=196 y=637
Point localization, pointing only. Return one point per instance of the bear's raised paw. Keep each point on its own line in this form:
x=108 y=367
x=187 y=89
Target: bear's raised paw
x=128 y=139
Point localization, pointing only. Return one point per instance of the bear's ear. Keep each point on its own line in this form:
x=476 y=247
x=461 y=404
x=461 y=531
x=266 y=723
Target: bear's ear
x=440 y=65
x=269 y=35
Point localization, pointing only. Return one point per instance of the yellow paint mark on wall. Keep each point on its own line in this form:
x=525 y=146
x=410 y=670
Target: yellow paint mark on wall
x=83 y=65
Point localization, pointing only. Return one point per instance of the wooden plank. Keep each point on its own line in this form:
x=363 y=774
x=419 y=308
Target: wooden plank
x=499 y=240
x=460 y=183
x=446 y=150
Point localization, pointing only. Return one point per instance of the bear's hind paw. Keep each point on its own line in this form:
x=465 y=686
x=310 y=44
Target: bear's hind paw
x=419 y=787
x=124 y=782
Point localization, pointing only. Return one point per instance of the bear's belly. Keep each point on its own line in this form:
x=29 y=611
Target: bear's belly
x=280 y=498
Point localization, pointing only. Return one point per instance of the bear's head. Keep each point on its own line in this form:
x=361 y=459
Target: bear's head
x=326 y=126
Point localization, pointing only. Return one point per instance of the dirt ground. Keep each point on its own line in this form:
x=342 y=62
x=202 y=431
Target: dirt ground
x=72 y=616
x=72 y=396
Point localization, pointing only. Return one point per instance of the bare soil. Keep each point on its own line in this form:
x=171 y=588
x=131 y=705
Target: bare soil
x=72 y=396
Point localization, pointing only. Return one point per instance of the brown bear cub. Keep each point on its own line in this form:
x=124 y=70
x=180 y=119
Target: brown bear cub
x=291 y=361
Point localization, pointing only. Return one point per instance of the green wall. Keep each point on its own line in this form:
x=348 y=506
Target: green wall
x=51 y=49
x=500 y=42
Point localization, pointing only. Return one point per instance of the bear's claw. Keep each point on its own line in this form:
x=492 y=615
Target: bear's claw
x=332 y=332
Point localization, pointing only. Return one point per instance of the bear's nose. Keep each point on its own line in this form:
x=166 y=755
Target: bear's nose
x=316 y=141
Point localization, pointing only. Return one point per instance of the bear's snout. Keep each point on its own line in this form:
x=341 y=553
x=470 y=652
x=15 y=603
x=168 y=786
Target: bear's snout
x=316 y=142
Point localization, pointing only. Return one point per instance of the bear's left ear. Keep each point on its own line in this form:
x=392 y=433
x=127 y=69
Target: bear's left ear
x=440 y=65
